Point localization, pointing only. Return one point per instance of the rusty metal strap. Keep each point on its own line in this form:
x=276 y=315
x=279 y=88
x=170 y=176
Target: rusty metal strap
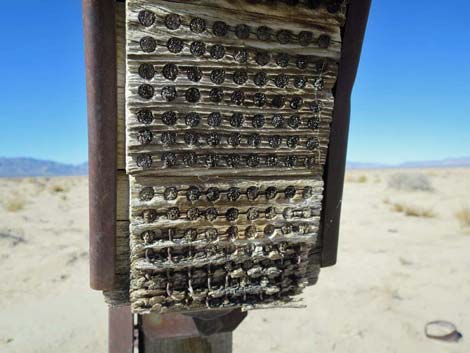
x=353 y=35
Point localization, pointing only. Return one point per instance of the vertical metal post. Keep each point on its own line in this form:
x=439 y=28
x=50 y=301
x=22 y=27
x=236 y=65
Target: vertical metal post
x=353 y=35
x=121 y=330
x=100 y=54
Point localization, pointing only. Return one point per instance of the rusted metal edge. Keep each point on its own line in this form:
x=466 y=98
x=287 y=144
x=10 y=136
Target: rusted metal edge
x=121 y=329
x=100 y=55
x=353 y=36
x=201 y=324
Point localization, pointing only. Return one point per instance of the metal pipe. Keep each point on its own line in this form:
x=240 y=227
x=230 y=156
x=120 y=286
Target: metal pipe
x=121 y=329
x=100 y=54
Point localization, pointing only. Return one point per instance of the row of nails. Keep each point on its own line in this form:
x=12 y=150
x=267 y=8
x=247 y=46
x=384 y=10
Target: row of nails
x=199 y=25
x=239 y=77
x=236 y=119
x=217 y=95
x=235 y=139
x=232 y=214
x=192 y=159
x=194 y=193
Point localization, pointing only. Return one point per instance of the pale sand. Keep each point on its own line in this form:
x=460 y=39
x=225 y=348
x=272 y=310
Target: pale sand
x=395 y=273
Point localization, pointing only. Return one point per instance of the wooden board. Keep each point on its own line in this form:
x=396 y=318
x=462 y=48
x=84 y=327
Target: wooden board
x=228 y=109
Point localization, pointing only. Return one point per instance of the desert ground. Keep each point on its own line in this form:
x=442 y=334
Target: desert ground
x=404 y=260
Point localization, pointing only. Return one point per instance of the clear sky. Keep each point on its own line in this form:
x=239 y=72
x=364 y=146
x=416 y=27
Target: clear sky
x=411 y=100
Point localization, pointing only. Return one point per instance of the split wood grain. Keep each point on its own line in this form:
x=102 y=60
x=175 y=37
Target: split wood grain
x=188 y=249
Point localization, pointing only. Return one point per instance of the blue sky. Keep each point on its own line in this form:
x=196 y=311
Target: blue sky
x=411 y=100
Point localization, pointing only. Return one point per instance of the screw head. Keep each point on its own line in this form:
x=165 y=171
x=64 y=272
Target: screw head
x=145 y=116
x=324 y=41
x=258 y=121
x=241 y=55
x=216 y=94
x=144 y=136
x=240 y=77
x=214 y=119
x=168 y=138
x=146 y=194
x=281 y=80
x=277 y=121
x=262 y=58
x=144 y=161
x=237 y=119
x=232 y=160
x=146 y=71
x=305 y=38
x=148 y=44
x=191 y=138
x=212 y=194
x=233 y=194
x=197 y=25
x=237 y=97
x=169 y=93
x=192 y=95
x=193 y=193
x=146 y=91
x=260 y=79
x=146 y=18
x=168 y=159
x=174 y=45
x=217 y=51
x=242 y=31
x=197 y=48
x=264 y=33
x=217 y=76
x=194 y=73
x=170 y=193
x=169 y=118
x=284 y=36
x=172 y=21
x=192 y=119
x=220 y=28
x=252 y=193
x=170 y=71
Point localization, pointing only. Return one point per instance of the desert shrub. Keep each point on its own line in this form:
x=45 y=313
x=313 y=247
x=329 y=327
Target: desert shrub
x=398 y=207
x=413 y=211
x=362 y=179
x=463 y=216
x=353 y=179
x=58 y=188
x=410 y=182
x=14 y=204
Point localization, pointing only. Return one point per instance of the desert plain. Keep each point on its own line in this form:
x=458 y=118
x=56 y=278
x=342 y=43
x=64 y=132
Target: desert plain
x=404 y=260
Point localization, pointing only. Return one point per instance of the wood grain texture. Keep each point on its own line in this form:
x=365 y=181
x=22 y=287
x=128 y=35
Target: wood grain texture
x=225 y=151
x=281 y=91
x=120 y=295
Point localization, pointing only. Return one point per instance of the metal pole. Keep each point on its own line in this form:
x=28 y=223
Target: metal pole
x=100 y=54
x=353 y=35
x=121 y=330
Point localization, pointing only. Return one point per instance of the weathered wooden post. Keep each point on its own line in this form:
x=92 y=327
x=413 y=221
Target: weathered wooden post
x=217 y=134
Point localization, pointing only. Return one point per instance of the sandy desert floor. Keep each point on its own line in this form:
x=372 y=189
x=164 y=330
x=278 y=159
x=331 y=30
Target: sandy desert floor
x=404 y=260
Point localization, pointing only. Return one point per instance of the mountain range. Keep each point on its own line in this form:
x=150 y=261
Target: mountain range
x=440 y=163
x=25 y=167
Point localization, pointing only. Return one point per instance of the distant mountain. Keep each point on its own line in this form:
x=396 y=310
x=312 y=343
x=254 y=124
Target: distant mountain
x=359 y=165
x=442 y=163
x=448 y=162
x=25 y=167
